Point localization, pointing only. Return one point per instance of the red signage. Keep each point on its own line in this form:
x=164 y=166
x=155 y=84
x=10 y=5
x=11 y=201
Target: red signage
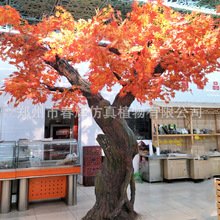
x=215 y=87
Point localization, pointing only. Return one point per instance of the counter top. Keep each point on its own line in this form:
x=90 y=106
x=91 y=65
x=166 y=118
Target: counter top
x=47 y=171
x=20 y=173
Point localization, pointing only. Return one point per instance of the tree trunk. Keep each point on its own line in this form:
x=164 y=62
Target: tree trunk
x=119 y=145
x=115 y=174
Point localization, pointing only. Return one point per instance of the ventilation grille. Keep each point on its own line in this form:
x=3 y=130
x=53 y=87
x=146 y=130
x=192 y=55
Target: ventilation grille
x=47 y=188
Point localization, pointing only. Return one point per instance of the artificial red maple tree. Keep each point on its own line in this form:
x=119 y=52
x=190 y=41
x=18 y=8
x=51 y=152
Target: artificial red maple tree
x=151 y=54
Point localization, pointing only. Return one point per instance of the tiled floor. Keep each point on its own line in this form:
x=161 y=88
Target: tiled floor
x=179 y=200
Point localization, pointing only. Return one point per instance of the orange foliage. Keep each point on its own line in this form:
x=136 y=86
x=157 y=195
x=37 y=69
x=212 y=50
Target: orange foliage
x=186 y=46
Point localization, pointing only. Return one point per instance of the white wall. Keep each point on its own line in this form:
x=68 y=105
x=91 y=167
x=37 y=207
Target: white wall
x=17 y=125
x=206 y=95
x=18 y=122
x=88 y=129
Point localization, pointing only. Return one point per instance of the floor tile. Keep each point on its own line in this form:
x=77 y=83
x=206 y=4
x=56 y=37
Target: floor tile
x=84 y=202
x=20 y=218
x=48 y=207
x=15 y=215
x=168 y=215
x=179 y=200
x=79 y=214
x=56 y=216
x=145 y=217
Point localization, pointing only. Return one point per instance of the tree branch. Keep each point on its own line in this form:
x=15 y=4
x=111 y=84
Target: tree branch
x=58 y=88
x=65 y=69
x=111 y=49
x=116 y=75
x=73 y=76
x=124 y=101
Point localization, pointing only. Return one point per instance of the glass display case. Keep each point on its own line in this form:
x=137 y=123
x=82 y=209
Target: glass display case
x=7 y=154
x=31 y=163
x=32 y=153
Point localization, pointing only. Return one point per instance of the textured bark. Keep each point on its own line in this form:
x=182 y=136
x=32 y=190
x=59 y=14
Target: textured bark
x=119 y=145
x=115 y=175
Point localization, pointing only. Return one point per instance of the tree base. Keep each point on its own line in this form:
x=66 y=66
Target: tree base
x=95 y=214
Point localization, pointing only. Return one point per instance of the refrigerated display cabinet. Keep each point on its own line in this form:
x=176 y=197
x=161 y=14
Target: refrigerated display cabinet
x=46 y=170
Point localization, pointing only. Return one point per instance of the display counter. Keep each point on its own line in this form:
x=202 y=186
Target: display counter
x=165 y=166
x=7 y=173
x=200 y=168
x=46 y=170
x=43 y=169
x=205 y=166
x=173 y=166
x=176 y=166
x=152 y=169
x=40 y=183
x=215 y=161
